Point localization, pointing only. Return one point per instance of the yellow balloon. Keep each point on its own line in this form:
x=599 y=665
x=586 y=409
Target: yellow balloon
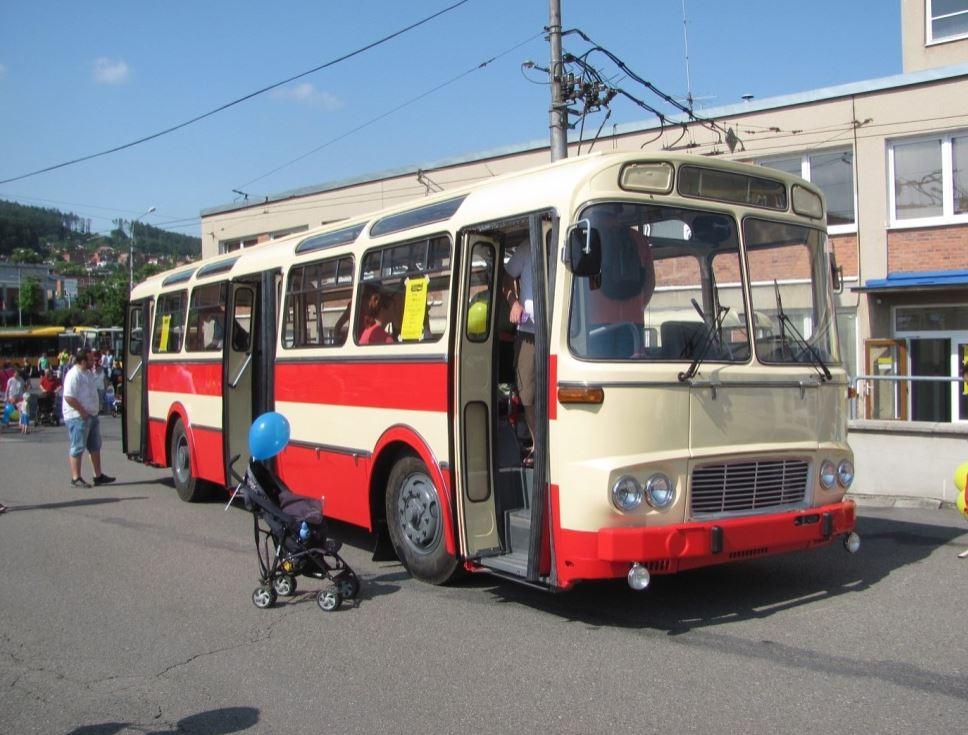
x=477 y=318
x=961 y=476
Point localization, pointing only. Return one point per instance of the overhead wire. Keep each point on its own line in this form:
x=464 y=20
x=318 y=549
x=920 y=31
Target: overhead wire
x=389 y=112
x=239 y=100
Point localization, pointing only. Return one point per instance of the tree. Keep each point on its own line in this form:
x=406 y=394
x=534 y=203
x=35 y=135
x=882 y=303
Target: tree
x=25 y=255
x=31 y=298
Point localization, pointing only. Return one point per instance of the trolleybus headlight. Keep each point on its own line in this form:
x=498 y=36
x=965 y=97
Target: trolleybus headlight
x=626 y=493
x=845 y=473
x=659 y=491
x=828 y=474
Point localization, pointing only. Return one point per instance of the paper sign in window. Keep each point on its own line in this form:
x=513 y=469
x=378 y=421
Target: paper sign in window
x=414 y=308
x=165 y=331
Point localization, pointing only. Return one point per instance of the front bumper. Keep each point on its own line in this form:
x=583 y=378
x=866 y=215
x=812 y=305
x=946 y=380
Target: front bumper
x=608 y=552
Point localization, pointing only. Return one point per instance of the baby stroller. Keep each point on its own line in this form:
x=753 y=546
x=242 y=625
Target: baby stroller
x=289 y=530
x=48 y=409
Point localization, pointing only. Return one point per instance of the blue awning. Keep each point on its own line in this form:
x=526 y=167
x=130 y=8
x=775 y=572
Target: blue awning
x=923 y=281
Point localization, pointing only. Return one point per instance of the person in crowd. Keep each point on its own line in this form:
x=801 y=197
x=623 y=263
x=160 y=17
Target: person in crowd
x=24 y=408
x=107 y=363
x=80 y=411
x=63 y=360
x=43 y=363
x=13 y=395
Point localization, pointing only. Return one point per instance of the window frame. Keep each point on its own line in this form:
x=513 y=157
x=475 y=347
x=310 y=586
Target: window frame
x=193 y=310
x=929 y=17
x=947 y=217
x=158 y=314
x=361 y=282
x=287 y=293
x=847 y=229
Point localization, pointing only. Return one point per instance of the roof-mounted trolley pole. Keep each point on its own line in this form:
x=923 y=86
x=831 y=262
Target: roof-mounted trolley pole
x=559 y=139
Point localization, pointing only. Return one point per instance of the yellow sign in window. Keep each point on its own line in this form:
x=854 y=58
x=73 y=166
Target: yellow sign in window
x=414 y=308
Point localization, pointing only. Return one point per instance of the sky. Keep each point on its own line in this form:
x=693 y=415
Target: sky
x=80 y=78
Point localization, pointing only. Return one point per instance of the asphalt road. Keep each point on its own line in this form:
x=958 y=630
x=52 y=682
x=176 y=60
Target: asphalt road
x=124 y=610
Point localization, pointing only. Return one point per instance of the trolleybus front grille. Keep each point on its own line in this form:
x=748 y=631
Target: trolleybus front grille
x=748 y=486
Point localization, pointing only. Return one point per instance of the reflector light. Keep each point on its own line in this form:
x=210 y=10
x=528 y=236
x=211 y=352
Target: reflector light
x=583 y=394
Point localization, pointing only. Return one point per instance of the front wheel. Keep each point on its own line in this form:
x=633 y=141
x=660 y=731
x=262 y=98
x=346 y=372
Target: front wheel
x=415 y=521
x=190 y=488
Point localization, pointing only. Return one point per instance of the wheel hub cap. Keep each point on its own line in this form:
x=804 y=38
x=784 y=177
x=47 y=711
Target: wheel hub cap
x=419 y=512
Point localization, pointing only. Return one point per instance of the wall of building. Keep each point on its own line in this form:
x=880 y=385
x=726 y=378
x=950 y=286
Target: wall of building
x=917 y=53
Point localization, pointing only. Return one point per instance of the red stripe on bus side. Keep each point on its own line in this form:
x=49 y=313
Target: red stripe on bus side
x=408 y=386
x=197 y=379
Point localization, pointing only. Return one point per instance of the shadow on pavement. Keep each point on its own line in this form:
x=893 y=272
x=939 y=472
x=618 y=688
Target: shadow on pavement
x=71 y=503
x=680 y=603
x=222 y=721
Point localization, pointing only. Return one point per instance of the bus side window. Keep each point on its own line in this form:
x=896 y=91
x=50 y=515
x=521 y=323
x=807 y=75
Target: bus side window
x=206 y=318
x=169 y=323
x=405 y=293
x=317 y=305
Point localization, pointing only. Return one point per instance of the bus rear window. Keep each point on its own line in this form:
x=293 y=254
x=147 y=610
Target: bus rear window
x=728 y=186
x=169 y=323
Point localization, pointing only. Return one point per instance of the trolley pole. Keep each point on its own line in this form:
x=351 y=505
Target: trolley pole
x=559 y=132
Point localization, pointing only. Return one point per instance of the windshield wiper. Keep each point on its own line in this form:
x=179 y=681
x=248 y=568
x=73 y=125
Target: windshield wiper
x=713 y=326
x=816 y=360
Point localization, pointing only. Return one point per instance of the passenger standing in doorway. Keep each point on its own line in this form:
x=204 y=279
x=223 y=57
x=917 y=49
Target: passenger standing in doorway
x=519 y=292
x=80 y=412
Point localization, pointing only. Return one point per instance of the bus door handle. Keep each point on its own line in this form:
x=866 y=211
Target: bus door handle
x=245 y=366
x=135 y=373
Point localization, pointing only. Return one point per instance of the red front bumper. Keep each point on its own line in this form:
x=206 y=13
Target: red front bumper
x=609 y=552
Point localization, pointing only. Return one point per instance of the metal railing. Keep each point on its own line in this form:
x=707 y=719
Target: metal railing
x=863 y=389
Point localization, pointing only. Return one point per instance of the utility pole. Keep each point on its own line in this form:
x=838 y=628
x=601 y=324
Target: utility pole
x=559 y=128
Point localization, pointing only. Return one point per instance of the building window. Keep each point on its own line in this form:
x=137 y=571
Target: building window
x=833 y=172
x=929 y=180
x=947 y=20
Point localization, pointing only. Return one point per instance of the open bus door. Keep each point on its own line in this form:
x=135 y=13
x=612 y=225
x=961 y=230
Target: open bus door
x=476 y=420
x=134 y=403
x=249 y=350
x=502 y=505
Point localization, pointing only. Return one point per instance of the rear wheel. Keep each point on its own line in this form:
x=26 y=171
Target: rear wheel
x=190 y=489
x=416 y=525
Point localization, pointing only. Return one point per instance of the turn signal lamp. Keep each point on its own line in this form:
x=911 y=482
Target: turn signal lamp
x=581 y=394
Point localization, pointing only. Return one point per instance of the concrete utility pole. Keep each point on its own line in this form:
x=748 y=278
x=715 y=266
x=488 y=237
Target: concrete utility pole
x=559 y=128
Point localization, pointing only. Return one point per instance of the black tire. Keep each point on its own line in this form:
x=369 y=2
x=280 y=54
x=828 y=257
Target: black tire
x=415 y=522
x=190 y=489
x=348 y=585
x=284 y=586
x=264 y=597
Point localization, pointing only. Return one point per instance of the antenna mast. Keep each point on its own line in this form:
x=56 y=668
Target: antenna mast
x=685 y=41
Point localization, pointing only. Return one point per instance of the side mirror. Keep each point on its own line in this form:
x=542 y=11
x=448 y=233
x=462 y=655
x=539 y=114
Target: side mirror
x=584 y=250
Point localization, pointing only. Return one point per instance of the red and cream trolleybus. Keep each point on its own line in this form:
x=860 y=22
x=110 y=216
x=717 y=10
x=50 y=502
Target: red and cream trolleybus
x=689 y=396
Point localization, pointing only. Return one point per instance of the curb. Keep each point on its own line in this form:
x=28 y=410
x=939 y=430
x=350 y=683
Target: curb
x=899 y=501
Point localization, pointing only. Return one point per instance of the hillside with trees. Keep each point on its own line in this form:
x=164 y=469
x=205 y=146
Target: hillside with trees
x=65 y=241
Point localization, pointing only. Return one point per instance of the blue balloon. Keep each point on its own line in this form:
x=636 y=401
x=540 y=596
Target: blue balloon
x=268 y=435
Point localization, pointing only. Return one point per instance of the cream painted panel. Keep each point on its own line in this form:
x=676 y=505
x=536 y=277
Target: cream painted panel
x=637 y=430
x=353 y=427
x=740 y=418
x=202 y=410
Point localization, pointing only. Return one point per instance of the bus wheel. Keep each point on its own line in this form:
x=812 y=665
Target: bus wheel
x=415 y=522
x=190 y=489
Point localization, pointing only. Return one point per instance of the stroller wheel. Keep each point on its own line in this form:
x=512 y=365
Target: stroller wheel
x=284 y=586
x=348 y=585
x=264 y=597
x=329 y=599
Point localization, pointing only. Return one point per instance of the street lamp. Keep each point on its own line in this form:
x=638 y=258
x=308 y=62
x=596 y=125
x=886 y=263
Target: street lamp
x=131 y=250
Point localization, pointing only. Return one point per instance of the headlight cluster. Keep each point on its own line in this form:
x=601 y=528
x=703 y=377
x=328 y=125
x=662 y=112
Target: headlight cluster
x=627 y=493
x=842 y=474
